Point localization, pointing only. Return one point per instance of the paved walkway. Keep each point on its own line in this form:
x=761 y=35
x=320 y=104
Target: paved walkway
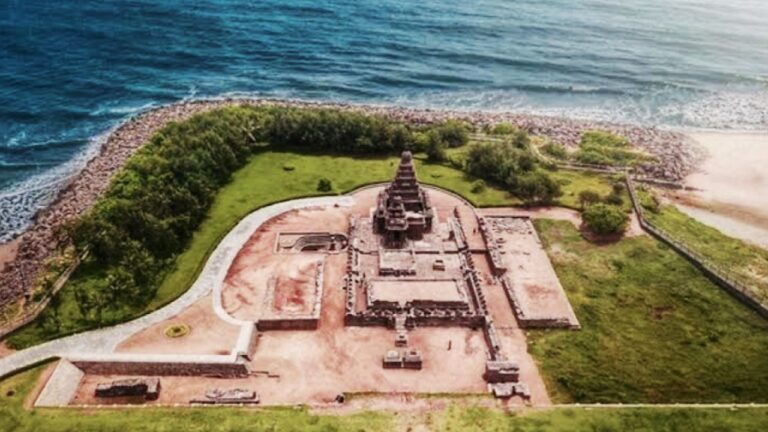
x=105 y=340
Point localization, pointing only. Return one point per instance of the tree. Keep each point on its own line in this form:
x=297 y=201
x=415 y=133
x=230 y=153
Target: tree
x=521 y=139
x=605 y=219
x=478 y=186
x=51 y=317
x=435 y=147
x=588 y=197
x=618 y=187
x=453 y=133
x=502 y=129
x=614 y=199
x=556 y=150
x=536 y=187
x=324 y=185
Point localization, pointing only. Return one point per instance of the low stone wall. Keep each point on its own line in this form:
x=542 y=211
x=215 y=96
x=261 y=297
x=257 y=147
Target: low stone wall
x=365 y=320
x=167 y=368
x=287 y=324
x=456 y=320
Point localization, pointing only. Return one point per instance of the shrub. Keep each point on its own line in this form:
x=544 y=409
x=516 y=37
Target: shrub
x=478 y=186
x=555 y=150
x=605 y=148
x=536 y=187
x=592 y=157
x=588 y=197
x=605 y=219
x=452 y=133
x=614 y=199
x=502 y=129
x=435 y=147
x=602 y=139
x=324 y=185
x=520 y=139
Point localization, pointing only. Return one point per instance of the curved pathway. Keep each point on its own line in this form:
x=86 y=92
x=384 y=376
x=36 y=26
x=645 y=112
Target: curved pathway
x=105 y=340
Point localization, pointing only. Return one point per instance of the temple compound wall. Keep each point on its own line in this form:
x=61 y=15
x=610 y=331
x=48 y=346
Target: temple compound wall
x=403 y=262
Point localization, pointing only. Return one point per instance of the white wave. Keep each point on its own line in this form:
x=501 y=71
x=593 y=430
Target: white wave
x=17 y=139
x=21 y=201
x=665 y=107
x=122 y=110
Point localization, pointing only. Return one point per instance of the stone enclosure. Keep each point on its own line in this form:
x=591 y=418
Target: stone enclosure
x=402 y=289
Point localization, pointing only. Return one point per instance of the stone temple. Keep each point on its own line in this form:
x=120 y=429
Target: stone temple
x=403 y=210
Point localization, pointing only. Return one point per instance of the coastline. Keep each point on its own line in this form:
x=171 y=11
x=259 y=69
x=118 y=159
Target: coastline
x=677 y=153
x=727 y=191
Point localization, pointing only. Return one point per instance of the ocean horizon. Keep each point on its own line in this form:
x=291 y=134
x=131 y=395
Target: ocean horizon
x=72 y=71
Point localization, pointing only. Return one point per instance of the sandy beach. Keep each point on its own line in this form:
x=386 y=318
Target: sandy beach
x=728 y=191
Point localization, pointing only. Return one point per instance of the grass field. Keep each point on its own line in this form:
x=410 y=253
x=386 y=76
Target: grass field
x=653 y=328
x=748 y=263
x=573 y=182
x=457 y=417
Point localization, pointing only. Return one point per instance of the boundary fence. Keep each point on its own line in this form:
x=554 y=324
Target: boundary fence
x=716 y=273
x=30 y=313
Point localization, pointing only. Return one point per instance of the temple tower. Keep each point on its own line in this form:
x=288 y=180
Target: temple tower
x=403 y=210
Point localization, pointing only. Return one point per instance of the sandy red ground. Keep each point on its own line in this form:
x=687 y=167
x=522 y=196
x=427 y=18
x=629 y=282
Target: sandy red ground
x=258 y=265
x=208 y=334
x=537 y=287
x=513 y=340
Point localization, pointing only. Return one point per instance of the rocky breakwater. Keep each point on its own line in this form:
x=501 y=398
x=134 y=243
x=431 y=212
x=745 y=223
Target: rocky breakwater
x=35 y=245
x=676 y=156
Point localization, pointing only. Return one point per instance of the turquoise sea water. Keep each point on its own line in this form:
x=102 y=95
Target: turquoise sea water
x=70 y=70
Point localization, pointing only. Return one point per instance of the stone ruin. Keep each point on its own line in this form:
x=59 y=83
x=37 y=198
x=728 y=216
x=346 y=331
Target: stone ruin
x=406 y=359
x=403 y=210
x=406 y=262
x=409 y=266
x=149 y=388
x=294 y=242
x=236 y=396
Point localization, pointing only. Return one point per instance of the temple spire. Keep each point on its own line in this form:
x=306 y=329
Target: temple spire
x=403 y=211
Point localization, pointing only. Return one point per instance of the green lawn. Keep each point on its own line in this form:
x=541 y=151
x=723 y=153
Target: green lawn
x=602 y=420
x=748 y=263
x=653 y=328
x=572 y=182
x=458 y=417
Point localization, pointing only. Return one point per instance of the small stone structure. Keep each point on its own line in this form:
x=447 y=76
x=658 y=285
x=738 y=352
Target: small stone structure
x=295 y=242
x=507 y=390
x=530 y=283
x=501 y=371
x=236 y=396
x=149 y=388
x=408 y=359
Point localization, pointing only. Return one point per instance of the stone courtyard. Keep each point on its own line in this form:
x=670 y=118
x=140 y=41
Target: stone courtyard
x=392 y=289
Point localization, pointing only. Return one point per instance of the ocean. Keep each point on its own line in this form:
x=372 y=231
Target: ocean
x=70 y=71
